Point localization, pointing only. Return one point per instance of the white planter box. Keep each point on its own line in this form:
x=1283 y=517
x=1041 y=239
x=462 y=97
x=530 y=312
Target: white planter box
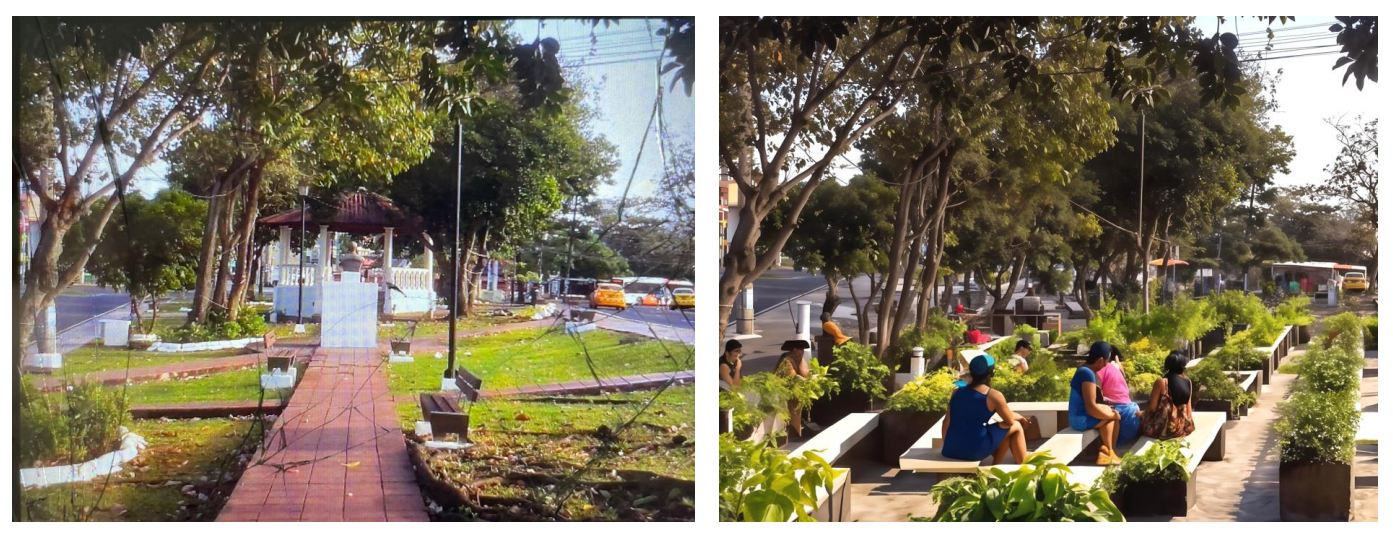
x=279 y=380
x=131 y=444
x=115 y=333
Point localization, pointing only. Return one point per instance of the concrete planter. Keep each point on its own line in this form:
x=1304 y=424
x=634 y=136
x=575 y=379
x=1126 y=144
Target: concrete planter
x=1315 y=492
x=1167 y=498
x=829 y=410
x=900 y=429
x=131 y=444
x=401 y=346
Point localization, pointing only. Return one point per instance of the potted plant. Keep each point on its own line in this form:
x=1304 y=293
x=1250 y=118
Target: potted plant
x=1316 y=436
x=1161 y=476
x=912 y=411
x=860 y=377
x=401 y=339
x=1296 y=311
x=758 y=407
x=1037 y=491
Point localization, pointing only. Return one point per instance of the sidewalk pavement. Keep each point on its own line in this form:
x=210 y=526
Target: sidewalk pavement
x=685 y=335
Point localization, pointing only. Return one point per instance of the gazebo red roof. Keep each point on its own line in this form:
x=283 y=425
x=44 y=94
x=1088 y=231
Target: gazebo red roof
x=359 y=212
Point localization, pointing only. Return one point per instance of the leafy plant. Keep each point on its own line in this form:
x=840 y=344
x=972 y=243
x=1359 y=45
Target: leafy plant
x=1235 y=307
x=929 y=393
x=71 y=426
x=1162 y=462
x=1029 y=333
x=1106 y=325
x=1211 y=382
x=816 y=386
x=857 y=369
x=1344 y=323
x=218 y=328
x=1371 y=332
x=1239 y=353
x=1331 y=367
x=760 y=395
x=939 y=334
x=1037 y=491
x=1004 y=349
x=1184 y=319
x=759 y=482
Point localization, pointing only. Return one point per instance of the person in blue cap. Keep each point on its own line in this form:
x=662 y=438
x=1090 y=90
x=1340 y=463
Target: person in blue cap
x=1088 y=409
x=968 y=433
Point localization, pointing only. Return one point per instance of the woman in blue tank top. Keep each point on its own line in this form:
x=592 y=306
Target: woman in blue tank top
x=968 y=433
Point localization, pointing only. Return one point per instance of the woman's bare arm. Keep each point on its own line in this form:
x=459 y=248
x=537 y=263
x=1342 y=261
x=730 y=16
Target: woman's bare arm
x=1156 y=390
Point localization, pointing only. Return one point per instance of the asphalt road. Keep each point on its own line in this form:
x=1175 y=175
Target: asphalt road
x=777 y=286
x=659 y=315
x=81 y=302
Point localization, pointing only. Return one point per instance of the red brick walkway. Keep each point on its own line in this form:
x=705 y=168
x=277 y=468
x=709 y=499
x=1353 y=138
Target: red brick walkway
x=336 y=453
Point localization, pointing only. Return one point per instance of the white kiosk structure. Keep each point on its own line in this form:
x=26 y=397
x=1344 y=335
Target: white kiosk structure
x=358 y=213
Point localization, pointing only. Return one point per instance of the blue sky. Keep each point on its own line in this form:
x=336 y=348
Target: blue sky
x=620 y=77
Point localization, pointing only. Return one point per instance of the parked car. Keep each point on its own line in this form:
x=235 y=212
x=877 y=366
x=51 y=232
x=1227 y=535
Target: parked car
x=683 y=298
x=607 y=295
x=1356 y=281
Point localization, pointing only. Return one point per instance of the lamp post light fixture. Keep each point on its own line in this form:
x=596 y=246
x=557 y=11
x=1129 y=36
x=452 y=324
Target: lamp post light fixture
x=300 y=304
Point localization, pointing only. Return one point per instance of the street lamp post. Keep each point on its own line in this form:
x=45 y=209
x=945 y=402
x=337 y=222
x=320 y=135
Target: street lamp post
x=300 y=303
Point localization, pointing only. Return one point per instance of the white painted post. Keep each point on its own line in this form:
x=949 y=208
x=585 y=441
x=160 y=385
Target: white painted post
x=326 y=270
x=387 y=269
x=1332 y=294
x=430 y=281
x=284 y=246
x=804 y=313
x=916 y=362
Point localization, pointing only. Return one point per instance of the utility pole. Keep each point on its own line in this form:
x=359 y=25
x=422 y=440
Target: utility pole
x=1141 y=246
x=454 y=251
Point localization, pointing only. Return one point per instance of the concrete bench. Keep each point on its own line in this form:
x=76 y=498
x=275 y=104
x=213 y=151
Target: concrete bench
x=1176 y=499
x=926 y=456
x=840 y=437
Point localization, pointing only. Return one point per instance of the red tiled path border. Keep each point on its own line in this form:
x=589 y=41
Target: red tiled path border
x=335 y=454
x=631 y=383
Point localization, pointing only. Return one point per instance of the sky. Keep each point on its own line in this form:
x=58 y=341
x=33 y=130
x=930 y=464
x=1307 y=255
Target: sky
x=619 y=72
x=1308 y=91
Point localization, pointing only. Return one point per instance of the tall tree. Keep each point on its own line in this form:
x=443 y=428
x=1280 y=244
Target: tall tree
x=1353 y=179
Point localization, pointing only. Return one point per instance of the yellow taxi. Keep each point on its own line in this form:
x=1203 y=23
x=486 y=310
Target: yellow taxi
x=683 y=298
x=1356 y=281
x=607 y=295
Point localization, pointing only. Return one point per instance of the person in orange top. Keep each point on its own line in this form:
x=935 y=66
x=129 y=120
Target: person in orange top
x=830 y=328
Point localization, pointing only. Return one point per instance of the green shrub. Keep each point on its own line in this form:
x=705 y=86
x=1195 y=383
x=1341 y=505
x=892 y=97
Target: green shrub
x=761 y=483
x=1235 y=307
x=1163 y=462
x=929 y=393
x=857 y=369
x=1004 y=349
x=1295 y=311
x=939 y=333
x=1106 y=325
x=1239 y=353
x=1037 y=491
x=1042 y=382
x=248 y=324
x=760 y=395
x=1212 y=383
x=1344 y=323
x=1371 y=333
x=1027 y=333
x=1317 y=427
x=1331 y=368
x=1170 y=326
x=72 y=426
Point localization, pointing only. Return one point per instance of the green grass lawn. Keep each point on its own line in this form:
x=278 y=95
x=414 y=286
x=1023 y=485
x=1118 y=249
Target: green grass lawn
x=92 y=358
x=521 y=358
x=180 y=451
x=525 y=451
x=438 y=327
x=243 y=385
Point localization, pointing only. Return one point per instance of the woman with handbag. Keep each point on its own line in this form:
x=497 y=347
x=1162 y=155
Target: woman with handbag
x=1168 y=411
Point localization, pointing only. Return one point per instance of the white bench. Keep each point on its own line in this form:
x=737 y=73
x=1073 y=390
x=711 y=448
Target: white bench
x=1207 y=440
x=840 y=437
x=926 y=455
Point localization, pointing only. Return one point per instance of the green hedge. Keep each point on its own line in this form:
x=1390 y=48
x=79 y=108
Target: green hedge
x=1319 y=422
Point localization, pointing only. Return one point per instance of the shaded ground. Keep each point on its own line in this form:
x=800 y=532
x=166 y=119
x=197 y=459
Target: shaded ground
x=570 y=458
x=173 y=480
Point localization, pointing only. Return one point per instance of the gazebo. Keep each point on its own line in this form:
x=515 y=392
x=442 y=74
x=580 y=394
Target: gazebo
x=358 y=213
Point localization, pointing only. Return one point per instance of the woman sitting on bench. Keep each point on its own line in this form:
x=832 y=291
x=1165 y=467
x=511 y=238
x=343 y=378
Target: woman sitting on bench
x=968 y=434
x=1087 y=408
x=1168 y=411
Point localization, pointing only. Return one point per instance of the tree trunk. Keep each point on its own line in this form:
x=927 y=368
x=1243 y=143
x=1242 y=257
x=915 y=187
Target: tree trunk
x=44 y=282
x=242 y=278
x=154 y=312
x=203 y=286
x=135 y=312
x=830 y=303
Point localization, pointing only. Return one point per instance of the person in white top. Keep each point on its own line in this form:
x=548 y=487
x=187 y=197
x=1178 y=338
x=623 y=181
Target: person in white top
x=1019 y=360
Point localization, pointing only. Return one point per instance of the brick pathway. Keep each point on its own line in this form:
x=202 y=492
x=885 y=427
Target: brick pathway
x=631 y=383
x=336 y=453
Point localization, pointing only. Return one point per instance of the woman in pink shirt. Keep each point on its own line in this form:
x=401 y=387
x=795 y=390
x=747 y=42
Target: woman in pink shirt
x=1113 y=382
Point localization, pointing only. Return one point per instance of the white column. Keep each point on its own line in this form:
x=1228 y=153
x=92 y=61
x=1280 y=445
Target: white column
x=387 y=269
x=430 y=278
x=916 y=362
x=325 y=246
x=804 y=313
x=284 y=246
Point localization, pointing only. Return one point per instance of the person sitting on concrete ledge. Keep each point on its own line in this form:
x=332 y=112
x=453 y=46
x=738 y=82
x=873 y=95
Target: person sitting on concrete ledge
x=793 y=362
x=730 y=365
x=830 y=328
x=1088 y=410
x=968 y=433
x=1018 y=361
x=1168 y=411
